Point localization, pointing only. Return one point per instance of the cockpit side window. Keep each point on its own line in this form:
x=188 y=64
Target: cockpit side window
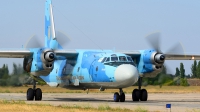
x=129 y=59
x=122 y=58
x=114 y=58
x=104 y=59
x=108 y=59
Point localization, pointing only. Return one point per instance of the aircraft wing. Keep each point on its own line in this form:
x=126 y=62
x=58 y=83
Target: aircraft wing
x=69 y=54
x=182 y=57
x=172 y=56
x=133 y=54
x=14 y=53
x=21 y=53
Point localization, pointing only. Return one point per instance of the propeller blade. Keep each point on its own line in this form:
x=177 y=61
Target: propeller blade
x=175 y=49
x=62 y=38
x=154 y=40
x=33 y=42
x=167 y=69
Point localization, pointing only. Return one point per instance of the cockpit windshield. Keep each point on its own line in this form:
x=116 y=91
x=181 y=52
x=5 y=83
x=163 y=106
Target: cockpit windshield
x=108 y=59
x=104 y=59
x=129 y=58
x=122 y=58
x=115 y=64
x=115 y=60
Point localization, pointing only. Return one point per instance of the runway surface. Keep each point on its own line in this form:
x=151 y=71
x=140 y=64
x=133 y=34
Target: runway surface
x=156 y=102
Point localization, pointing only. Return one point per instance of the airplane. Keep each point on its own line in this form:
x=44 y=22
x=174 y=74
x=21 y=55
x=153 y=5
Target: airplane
x=90 y=69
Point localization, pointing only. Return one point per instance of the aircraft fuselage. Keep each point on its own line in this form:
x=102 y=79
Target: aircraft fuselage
x=94 y=69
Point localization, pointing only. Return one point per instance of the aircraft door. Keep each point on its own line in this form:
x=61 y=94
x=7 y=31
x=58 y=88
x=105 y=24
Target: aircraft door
x=92 y=72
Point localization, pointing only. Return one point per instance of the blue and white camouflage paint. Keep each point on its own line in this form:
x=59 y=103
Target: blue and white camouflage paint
x=87 y=68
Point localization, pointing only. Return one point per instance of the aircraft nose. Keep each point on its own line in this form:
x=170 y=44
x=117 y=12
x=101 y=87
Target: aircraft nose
x=126 y=74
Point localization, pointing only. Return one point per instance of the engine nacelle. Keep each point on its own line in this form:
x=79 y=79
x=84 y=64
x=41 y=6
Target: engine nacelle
x=150 y=63
x=150 y=60
x=27 y=63
x=157 y=58
x=40 y=63
x=155 y=67
x=48 y=57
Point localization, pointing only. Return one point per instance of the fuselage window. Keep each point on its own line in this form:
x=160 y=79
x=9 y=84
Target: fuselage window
x=129 y=59
x=108 y=59
x=97 y=68
x=122 y=58
x=114 y=58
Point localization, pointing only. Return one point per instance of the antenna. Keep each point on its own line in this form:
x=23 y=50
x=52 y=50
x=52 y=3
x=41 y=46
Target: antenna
x=79 y=29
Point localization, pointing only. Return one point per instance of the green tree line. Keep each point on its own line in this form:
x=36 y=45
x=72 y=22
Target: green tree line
x=163 y=78
x=16 y=78
x=179 y=78
x=195 y=69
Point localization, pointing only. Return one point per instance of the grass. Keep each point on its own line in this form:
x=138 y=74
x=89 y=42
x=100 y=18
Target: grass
x=140 y=109
x=150 y=89
x=21 y=106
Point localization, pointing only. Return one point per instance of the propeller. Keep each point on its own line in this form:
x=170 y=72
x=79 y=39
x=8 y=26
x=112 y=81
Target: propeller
x=33 y=42
x=176 y=49
x=36 y=42
x=62 y=38
x=154 y=41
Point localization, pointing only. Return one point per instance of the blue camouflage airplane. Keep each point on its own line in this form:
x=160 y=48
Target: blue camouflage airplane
x=90 y=69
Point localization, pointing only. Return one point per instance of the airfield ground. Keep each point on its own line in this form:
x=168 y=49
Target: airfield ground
x=181 y=99
x=150 y=89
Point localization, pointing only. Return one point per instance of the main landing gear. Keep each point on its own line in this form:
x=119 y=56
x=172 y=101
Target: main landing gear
x=33 y=92
x=119 y=96
x=139 y=94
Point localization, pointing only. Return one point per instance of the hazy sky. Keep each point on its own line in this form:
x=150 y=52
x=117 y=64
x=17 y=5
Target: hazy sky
x=106 y=24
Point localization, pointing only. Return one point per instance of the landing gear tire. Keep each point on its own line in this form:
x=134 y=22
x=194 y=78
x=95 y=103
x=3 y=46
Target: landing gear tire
x=144 y=95
x=135 y=95
x=38 y=94
x=139 y=94
x=122 y=97
x=33 y=92
x=30 y=94
x=116 y=97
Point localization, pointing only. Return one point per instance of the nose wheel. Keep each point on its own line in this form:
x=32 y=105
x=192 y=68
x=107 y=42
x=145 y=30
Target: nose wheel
x=139 y=94
x=34 y=93
x=119 y=96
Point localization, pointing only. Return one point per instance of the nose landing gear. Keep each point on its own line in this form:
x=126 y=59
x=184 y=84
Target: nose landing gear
x=119 y=96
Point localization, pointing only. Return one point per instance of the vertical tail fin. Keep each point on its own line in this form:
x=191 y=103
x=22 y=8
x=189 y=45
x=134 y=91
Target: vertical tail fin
x=50 y=36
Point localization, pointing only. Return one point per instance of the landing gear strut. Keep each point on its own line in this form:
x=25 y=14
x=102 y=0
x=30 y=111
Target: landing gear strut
x=139 y=94
x=119 y=96
x=33 y=92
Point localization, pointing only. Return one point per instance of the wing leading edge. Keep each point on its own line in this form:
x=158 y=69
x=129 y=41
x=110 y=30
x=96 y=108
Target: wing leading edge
x=21 y=53
x=182 y=57
x=15 y=53
x=69 y=54
x=131 y=53
x=167 y=56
